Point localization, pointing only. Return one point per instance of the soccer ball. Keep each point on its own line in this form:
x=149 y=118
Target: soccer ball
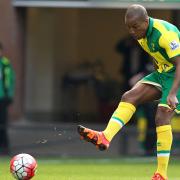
x=23 y=166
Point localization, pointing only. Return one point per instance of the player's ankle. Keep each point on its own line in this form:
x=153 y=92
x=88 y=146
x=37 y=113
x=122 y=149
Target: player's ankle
x=106 y=136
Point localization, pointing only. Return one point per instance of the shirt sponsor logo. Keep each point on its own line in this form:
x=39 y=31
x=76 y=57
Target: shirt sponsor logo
x=174 y=45
x=153 y=46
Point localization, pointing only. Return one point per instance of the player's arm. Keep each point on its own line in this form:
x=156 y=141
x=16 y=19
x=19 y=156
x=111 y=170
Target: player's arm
x=171 y=99
x=171 y=44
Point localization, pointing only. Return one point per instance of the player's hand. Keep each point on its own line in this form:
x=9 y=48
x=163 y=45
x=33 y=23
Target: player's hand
x=172 y=101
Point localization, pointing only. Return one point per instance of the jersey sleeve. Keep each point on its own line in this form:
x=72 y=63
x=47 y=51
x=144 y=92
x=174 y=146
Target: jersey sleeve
x=171 y=43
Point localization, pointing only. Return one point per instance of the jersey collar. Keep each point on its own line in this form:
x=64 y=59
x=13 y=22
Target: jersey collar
x=150 y=27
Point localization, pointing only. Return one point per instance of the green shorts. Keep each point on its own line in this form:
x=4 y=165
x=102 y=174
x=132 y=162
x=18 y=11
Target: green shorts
x=163 y=81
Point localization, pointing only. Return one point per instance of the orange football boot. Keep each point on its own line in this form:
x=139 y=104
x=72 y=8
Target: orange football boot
x=95 y=137
x=157 y=176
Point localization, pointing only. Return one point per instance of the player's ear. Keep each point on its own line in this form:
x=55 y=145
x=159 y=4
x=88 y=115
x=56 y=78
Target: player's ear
x=147 y=21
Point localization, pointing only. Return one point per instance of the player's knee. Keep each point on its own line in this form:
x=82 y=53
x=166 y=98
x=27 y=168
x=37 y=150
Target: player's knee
x=163 y=116
x=125 y=96
x=129 y=96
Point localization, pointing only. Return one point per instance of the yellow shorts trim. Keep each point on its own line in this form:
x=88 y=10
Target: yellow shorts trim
x=158 y=86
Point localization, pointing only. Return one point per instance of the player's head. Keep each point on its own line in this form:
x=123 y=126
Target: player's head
x=137 y=21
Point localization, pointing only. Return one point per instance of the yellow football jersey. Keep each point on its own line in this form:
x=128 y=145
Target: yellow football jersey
x=162 y=42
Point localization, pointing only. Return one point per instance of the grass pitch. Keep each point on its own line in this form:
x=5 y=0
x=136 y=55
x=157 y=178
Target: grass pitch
x=94 y=169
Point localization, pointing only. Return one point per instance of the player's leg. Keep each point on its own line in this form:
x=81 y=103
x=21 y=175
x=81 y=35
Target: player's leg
x=163 y=125
x=139 y=94
x=3 y=128
x=164 y=140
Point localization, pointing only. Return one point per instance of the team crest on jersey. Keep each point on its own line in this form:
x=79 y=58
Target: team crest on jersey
x=174 y=45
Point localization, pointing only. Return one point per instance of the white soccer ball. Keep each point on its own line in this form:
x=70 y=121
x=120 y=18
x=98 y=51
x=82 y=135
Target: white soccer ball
x=23 y=166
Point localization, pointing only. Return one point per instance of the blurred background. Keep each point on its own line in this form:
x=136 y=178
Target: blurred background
x=72 y=61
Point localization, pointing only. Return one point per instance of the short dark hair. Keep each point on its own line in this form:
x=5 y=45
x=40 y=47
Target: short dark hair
x=1 y=46
x=138 y=11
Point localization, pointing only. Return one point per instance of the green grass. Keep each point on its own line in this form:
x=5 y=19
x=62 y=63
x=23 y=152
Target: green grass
x=94 y=169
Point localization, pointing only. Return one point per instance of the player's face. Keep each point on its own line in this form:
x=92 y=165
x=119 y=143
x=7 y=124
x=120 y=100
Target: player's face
x=137 y=28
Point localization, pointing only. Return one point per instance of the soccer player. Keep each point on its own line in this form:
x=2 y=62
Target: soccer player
x=7 y=90
x=162 y=41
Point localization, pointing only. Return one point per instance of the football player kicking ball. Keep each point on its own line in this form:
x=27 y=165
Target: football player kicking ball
x=162 y=41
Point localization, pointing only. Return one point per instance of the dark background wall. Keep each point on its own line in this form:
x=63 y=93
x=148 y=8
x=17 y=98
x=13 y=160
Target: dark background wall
x=45 y=43
x=11 y=35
